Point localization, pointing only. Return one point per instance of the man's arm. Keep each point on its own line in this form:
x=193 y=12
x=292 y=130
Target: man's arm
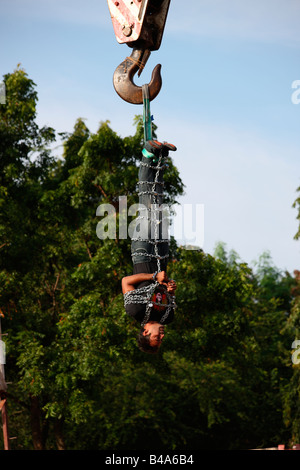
x=129 y=282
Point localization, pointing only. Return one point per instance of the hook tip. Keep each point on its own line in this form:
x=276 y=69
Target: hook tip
x=128 y=90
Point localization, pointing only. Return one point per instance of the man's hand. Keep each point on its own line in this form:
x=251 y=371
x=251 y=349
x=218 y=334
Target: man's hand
x=171 y=287
x=162 y=277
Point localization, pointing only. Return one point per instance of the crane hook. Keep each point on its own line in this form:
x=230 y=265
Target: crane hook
x=124 y=73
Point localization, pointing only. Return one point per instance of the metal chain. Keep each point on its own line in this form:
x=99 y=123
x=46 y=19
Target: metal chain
x=143 y=296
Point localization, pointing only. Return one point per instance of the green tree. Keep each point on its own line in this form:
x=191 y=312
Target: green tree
x=79 y=381
x=292 y=389
x=54 y=269
x=296 y=205
x=274 y=283
x=28 y=243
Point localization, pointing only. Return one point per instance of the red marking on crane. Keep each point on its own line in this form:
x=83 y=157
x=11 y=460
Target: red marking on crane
x=125 y=19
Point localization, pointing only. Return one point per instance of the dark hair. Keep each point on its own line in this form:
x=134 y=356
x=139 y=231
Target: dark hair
x=144 y=343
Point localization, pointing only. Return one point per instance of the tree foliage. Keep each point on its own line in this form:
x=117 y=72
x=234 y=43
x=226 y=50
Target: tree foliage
x=223 y=377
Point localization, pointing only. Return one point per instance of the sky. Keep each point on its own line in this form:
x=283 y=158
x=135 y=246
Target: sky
x=227 y=102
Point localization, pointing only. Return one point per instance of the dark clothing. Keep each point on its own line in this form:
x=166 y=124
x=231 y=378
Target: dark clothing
x=150 y=247
x=151 y=211
x=138 y=310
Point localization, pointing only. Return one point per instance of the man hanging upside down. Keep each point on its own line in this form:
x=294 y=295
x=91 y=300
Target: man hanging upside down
x=149 y=296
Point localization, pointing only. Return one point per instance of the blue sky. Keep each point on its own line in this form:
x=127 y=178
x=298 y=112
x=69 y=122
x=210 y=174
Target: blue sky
x=228 y=68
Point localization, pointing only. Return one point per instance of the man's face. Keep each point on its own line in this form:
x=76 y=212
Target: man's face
x=156 y=331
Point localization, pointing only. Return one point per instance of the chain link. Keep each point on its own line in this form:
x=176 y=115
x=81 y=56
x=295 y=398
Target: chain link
x=143 y=295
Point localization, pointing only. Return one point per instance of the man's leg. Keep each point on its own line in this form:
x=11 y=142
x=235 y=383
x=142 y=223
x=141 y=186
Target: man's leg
x=150 y=242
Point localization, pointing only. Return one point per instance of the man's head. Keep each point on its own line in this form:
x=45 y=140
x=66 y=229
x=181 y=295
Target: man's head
x=150 y=337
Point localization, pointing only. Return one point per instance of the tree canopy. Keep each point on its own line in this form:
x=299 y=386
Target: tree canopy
x=224 y=377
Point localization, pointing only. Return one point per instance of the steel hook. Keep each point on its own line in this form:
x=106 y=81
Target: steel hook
x=124 y=74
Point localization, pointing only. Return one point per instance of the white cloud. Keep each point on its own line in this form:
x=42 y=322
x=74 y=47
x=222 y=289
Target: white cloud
x=91 y=12
x=260 y=20
x=247 y=185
